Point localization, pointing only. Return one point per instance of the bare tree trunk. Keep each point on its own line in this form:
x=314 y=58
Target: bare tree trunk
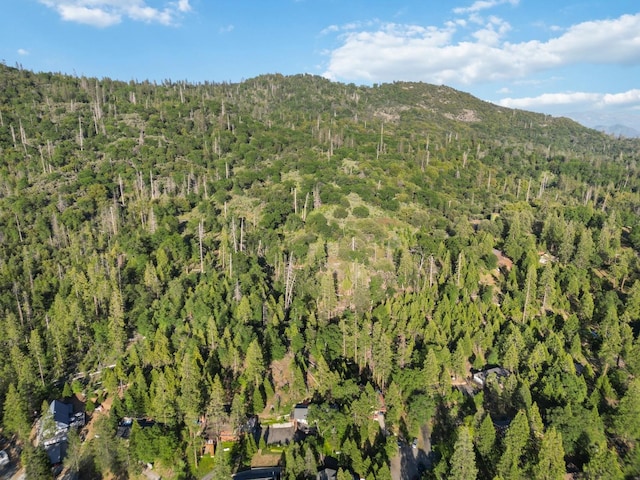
x=13 y=136
x=23 y=136
x=121 y=190
x=289 y=283
x=200 y=235
x=431 y=270
x=114 y=222
x=15 y=293
x=19 y=229
x=80 y=134
x=304 y=209
x=295 y=200
x=233 y=235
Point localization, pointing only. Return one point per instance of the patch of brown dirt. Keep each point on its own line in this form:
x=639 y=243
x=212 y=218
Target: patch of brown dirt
x=281 y=373
x=282 y=379
x=265 y=460
x=503 y=261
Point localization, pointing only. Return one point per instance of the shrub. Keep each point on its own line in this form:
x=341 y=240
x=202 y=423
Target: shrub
x=340 y=213
x=360 y=211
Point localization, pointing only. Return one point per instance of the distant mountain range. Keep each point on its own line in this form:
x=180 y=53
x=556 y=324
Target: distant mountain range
x=618 y=130
x=617 y=124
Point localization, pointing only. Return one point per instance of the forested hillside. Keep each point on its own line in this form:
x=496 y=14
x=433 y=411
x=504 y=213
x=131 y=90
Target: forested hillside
x=197 y=254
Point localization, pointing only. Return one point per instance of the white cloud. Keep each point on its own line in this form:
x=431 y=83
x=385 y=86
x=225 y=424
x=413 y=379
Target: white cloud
x=22 y=51
x=629 y=98
x=410 y=52
x=150 y=15
x=184 y=6
x=105 y=13
x=483 y=5
x=576 y=101
x=330 y=29
x=226 y=29
x=493 y=31
x=90 y=16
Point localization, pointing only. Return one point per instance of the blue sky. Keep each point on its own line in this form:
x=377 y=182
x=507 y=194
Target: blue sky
x=578 y=57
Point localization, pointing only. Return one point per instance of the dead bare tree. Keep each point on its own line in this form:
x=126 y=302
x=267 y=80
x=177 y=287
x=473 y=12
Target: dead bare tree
x=200 y=235
x=289 y=283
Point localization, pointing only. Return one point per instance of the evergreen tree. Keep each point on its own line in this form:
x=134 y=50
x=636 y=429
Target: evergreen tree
x=36 y=463
x=551 y=465
x=486 y=438
x=216 y=415
x=74 y=451
x=515 y=441
x=47 y=422
x=253 y=364
x=463 y=461
x=627 y=418
x=117 y=332
x=603 y=465
x=14 y=416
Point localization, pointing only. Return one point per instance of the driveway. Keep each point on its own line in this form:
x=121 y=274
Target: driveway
x=409 y=461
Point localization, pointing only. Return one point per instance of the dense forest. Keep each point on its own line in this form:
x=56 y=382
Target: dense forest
x=192 y=256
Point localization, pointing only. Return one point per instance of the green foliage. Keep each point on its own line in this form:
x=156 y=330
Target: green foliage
x=151 y=444
x=36 y=463
x=515 y=441
x=486 y=439
x=603 y=464
x=109 y=455
x=207 y=251
x=551 y=463
x=463 y=461
x=627 y=419
x=360 y=211
x=339 y=213
x=15 y=414
x=318 y=224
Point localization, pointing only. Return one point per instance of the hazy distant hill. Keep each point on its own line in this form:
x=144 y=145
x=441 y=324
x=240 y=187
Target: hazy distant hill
x=619 y=130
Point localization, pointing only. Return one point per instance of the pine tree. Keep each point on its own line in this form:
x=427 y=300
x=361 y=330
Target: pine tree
x=463 y=461
x=486 y=438
x=74 y=451
x=163 y=396
x=36 y=462
x=431 y=369
x=215 y=414
x=15 y=414
x=395 y=405
x=253 y=364
x=117 y=332
x=47 y=422
x=550 y=464
x=190 y=399
x=515 y=440
x=627 y=418
x=603 y=465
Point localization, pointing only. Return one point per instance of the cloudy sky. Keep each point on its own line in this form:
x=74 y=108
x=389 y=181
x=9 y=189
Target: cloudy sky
x=577 y=57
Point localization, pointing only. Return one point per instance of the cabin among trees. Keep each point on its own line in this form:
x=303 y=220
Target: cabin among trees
x=299 y=417
x=54 y=427
x=498 y=373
